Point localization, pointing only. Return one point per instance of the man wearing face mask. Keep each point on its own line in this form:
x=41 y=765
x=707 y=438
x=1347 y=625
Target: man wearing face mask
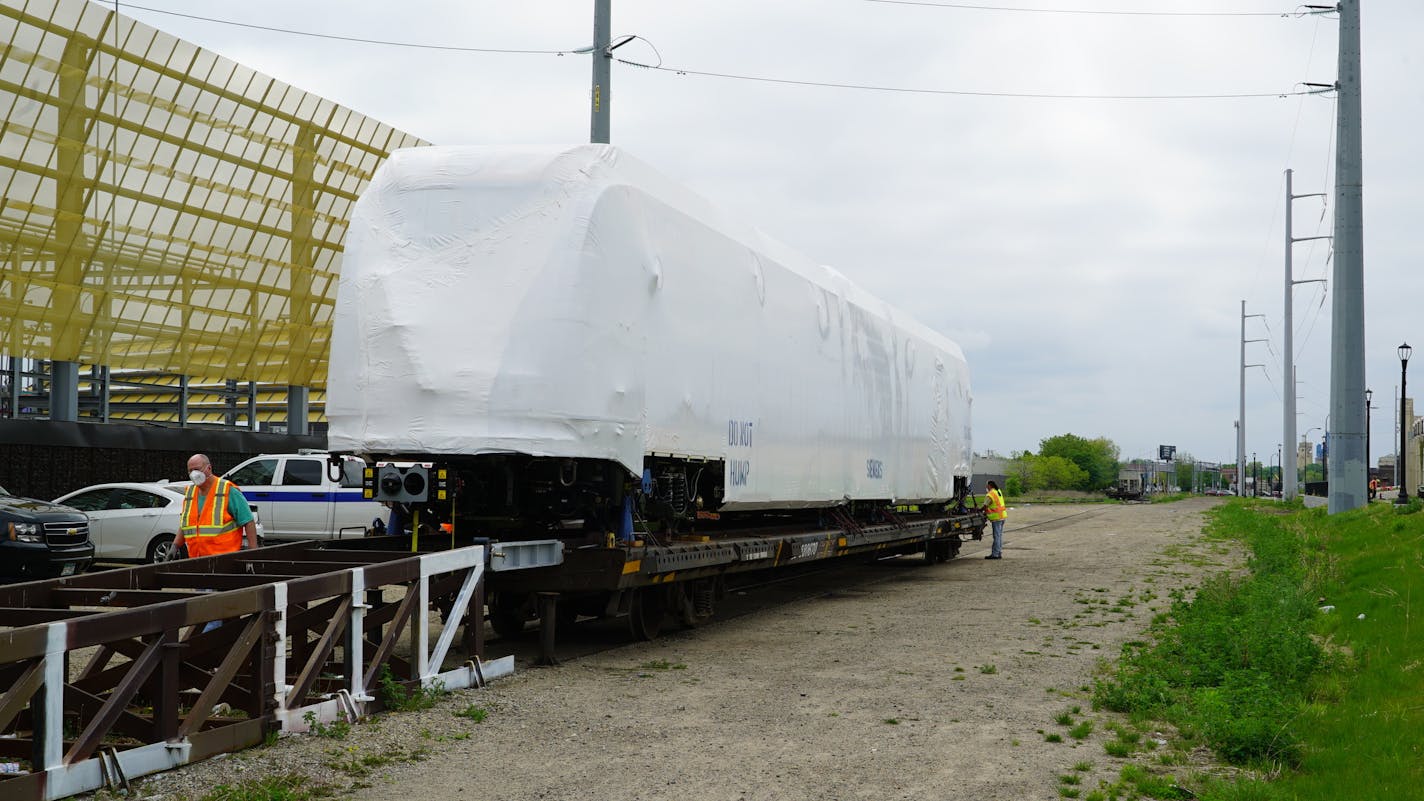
x=215 y=513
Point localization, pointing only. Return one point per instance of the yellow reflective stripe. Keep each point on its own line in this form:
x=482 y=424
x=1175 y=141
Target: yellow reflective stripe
x=211 y=531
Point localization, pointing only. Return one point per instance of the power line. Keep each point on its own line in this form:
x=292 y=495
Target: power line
x=356 y=39
x=962 y=92
x=971 y=7
x=734 y=76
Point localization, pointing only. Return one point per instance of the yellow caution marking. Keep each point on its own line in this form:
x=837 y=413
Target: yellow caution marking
x=632 y=567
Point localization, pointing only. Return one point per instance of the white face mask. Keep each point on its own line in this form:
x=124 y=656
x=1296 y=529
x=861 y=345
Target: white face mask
x=198 y=476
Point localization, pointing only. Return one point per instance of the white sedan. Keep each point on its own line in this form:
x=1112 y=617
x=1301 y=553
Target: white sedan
x=131 y=521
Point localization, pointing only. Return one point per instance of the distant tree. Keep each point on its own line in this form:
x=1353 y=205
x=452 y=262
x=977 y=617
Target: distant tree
x=1098 y=458
x=1013 y=486
x=1186 y=472
x=1055 y=473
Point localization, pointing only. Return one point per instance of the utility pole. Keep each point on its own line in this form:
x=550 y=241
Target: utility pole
x=1241 y=421
x=1288 y=474
x=1347 y=308
x=602 y=56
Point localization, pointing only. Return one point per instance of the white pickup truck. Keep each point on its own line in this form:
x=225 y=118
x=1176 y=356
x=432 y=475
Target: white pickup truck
x=297 y=499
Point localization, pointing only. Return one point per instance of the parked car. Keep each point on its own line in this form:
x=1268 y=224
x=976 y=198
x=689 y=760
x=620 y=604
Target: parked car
x=299 y=500
x=41 y=540
x=134 y=521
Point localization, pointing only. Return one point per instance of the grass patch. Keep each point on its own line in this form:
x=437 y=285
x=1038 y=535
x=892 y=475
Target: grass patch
x=1118 y=748
x=1055 y=737
x=1235 y=662
x=1063 y=719
x=360 y=766
x=279 y=787
x=1082 y=730
x=1252 y=667
x=988 y=669
x=474 y=713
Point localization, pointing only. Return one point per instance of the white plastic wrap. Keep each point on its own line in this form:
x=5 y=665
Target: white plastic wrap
x=573 y=302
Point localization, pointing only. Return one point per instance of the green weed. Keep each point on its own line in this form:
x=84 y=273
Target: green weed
x=474 y=713
x=335 y=730
x=398 y=698
x=1118 y=748
x=278 y=787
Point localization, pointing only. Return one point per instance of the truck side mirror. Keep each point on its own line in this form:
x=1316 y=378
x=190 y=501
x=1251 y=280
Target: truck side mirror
x=351 y=473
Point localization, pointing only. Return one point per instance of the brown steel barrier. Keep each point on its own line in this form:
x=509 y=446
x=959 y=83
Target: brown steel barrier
x=115 y=674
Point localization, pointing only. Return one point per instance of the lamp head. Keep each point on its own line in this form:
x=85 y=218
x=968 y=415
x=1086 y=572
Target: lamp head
x=1405 y=352
x=1369 y=393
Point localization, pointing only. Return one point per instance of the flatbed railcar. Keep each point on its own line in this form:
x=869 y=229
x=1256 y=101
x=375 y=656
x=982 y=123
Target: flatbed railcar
x=656 y=582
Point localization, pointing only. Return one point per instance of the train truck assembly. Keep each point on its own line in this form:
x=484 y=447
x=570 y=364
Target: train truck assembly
x=563 y=344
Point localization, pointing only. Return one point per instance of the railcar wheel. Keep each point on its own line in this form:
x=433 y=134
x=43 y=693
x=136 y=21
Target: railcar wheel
x=507 y=615
x=646 y=613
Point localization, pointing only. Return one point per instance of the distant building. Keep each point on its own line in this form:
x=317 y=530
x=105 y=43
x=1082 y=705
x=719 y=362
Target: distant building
x=990 y=467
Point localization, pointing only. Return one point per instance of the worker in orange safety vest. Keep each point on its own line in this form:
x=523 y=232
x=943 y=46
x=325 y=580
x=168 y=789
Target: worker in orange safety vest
x=215 y=515
x=998 y=513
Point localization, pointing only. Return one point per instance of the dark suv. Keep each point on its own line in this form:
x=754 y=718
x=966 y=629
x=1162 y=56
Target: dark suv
x=41 y=540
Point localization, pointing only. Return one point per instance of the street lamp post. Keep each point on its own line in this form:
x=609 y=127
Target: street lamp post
x=1404 y=353
x=1325 y=455
x=1255 y=476
x=1369 y=393
x=1280 y=474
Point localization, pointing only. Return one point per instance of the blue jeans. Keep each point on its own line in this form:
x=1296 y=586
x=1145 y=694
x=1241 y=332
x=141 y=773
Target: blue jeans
x=997 y=549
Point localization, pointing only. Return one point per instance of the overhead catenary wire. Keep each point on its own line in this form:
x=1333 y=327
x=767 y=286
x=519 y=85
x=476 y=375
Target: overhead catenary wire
x=964 y=92
x=1299 y=11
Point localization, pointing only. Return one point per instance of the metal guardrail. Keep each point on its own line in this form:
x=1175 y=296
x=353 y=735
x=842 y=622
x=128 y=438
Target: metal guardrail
x=122 y=673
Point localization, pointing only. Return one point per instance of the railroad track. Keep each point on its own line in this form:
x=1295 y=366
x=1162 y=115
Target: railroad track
x=1057 y=522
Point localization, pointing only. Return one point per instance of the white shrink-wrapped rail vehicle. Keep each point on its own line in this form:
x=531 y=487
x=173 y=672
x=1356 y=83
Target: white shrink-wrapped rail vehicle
x=578 y=338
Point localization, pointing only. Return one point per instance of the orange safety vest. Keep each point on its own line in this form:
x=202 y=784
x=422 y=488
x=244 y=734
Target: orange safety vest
x=997 y=509
x=210 y=529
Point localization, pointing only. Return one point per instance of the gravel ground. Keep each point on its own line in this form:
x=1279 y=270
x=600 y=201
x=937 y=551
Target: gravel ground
x=894 y=681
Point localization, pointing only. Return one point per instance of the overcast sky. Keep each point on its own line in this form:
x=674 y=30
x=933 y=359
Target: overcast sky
x=1090 y=256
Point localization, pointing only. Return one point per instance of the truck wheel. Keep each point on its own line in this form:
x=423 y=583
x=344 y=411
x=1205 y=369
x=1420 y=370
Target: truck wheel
x=645 y=617
x=159 y=547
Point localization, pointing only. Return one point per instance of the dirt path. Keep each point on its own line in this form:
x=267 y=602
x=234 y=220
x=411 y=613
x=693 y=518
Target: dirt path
x=910 y=682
